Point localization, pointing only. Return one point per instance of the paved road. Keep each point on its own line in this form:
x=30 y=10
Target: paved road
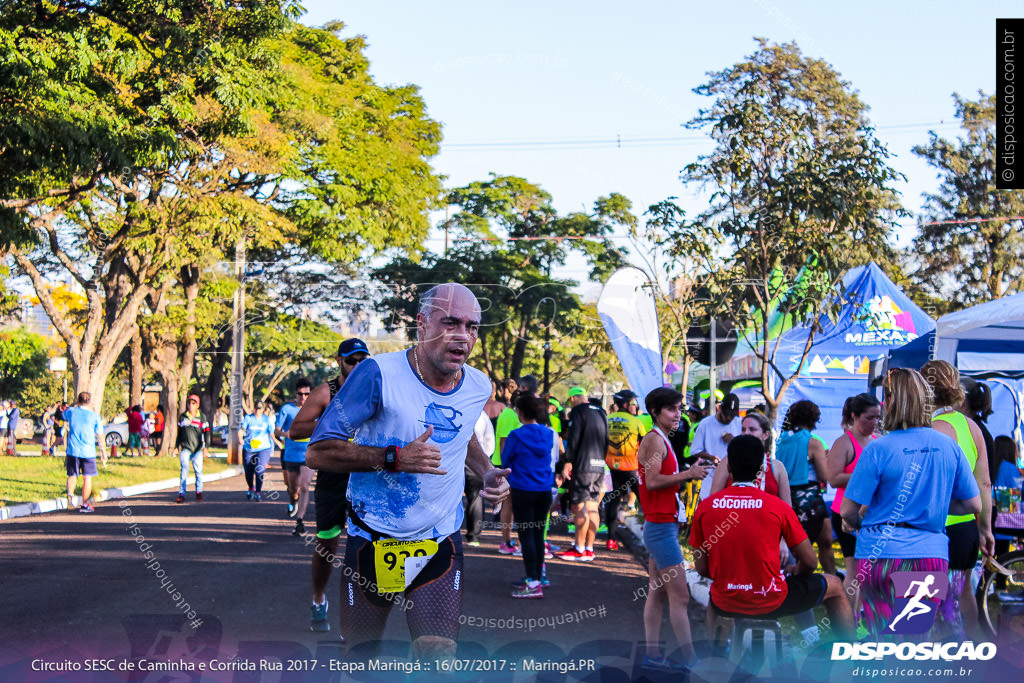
x=78 y=592
x=80 y=586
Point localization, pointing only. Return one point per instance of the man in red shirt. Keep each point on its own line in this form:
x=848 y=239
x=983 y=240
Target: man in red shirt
x=735 y=536
x=135 y=420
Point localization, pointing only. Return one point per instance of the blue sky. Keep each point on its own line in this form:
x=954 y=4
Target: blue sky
x=578 y=72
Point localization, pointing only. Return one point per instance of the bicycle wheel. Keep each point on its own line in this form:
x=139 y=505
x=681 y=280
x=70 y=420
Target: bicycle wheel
x=1001 y=598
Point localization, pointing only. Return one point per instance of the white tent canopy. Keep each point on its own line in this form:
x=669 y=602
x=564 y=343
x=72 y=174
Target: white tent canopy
x=1001 y=320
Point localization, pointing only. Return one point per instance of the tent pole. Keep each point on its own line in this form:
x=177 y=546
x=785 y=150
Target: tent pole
x=713 y=373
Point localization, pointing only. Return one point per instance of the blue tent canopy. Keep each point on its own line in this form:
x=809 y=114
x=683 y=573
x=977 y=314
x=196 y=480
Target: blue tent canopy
x=875 y=317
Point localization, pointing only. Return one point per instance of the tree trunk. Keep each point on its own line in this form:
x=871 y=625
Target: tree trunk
x=168 y=396
x=136 y=370
x=215 y=381
x=519 y=348
x=174 y=358
x=190 y=281
x=164 y=361
x=279 y=374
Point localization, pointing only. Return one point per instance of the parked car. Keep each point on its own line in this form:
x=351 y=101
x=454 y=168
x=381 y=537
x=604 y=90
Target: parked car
x=219 y=436
x=116 y=434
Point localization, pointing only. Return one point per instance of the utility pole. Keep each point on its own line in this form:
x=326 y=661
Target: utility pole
x=237 y=356
x=547 y=339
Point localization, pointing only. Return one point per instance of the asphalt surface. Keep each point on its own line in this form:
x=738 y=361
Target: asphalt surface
x=75 y=587
x=225 y=595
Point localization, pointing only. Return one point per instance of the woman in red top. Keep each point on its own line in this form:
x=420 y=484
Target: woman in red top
x=772 y=480
x=660 y=480
x=861 y=414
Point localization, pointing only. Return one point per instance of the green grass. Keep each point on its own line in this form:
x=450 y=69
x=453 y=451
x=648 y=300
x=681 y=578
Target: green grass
x=27 y=479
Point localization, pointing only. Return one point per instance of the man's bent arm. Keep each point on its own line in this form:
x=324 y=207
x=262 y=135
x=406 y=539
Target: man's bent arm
x=496 y=486
x=700 y=563
x=339 y=455
x=477 y=460
x=336 y=455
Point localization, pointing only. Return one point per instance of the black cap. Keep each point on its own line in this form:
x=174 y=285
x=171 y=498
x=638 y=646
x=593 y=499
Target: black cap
x=623 y=397
x=350 y=346
x=530 y=382
x=731 y=404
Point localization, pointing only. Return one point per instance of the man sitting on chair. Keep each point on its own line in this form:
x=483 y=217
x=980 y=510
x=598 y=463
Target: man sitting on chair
x=735 y=536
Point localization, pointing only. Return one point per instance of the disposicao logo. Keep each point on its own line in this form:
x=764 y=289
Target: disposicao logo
x=918 y=595
x=921 y=593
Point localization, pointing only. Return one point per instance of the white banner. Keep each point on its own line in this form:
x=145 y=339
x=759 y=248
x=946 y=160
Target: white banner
x=630 y=319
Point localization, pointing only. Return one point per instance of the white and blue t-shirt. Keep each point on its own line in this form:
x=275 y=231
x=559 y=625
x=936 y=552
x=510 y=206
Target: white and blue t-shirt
x=384 y=403
x=907 y=479
x=83 y=428
x=294 y=451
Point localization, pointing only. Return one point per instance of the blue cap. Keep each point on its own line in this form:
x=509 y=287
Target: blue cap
x=353 y=345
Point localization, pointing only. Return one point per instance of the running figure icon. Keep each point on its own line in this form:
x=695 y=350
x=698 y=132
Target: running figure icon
x=916 y=606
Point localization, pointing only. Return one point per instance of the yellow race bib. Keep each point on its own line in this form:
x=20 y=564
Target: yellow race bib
x=398 y=563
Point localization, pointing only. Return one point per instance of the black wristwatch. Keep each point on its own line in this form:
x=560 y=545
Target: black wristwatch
x=391 y=458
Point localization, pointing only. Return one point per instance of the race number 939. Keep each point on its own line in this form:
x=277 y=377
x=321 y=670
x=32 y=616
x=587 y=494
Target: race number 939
x=398 y=562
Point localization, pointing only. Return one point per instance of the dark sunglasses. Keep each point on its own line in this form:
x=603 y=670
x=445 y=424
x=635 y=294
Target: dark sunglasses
x=302 y=393
x=352 y=361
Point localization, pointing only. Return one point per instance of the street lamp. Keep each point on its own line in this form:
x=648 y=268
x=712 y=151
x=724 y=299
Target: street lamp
x=60 y=365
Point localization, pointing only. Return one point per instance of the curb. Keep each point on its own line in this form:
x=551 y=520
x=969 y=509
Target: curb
x=630 y=533
x=54 y=504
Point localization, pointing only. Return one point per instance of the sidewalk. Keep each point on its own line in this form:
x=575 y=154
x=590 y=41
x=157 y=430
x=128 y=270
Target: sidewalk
x=55 y=504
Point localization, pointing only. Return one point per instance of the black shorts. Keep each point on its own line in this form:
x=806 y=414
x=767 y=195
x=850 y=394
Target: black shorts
x=585 y=488
x=810 y=508
x=289 y=466
x=848 y=542
x=964 y=545
x=433 y=601
x=76 y=467
x=329 y=497
x=805 y=591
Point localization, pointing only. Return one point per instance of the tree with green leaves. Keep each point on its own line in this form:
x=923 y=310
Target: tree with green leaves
x=508 y=241
x=144 y=139
x=23 y=359
x=799 y=185
x=968 y=249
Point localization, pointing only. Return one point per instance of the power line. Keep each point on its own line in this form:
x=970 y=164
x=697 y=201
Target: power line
x=973 y=220
x=619 y=142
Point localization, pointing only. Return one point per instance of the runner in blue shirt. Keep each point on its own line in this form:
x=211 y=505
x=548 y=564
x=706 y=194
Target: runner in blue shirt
x=403 y=425
x=256 y=434
x=85 y=435
x=297 y=476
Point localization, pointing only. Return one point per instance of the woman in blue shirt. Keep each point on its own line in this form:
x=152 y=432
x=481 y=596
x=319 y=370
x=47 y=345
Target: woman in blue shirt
x=967 y=534
x=531 y=452
x=256 y=434
x=909 y=479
